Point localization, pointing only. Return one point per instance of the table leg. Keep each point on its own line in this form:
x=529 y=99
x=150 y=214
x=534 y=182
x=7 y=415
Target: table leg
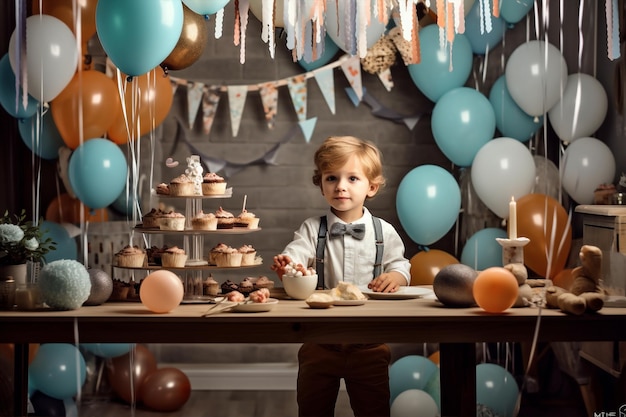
x=457 y=364
x=20 y=375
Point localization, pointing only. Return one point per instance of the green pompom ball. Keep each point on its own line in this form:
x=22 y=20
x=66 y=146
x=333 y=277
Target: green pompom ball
x=64 y=284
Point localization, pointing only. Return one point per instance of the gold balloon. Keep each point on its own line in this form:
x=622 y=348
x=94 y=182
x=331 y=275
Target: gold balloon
x=191 y=43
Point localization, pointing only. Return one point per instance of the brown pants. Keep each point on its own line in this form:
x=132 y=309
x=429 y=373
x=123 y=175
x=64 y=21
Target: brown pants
x=364 y=368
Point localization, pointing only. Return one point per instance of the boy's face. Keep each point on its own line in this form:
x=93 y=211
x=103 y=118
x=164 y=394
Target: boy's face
x=346 y=188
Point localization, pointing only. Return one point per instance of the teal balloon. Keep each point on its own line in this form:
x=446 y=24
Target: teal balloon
x=207 y=7
x=58 y=370
x=496 y=389
x=409 y=372
x=428 y=201
x=462 y=122
x=512 y=11
x=330 y=50
x=10 y=101
x=97 y=172
x=124 y=203
x=439 y=71
x=138 y=35
x=66 y=247
x=433 y=388
x=50 y=140
x=485 y=41
x=108 y=350
x=511 y=120
x=482 y=250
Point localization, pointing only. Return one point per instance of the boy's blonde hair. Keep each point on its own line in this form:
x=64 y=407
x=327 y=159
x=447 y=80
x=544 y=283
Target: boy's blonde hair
x=335 y=152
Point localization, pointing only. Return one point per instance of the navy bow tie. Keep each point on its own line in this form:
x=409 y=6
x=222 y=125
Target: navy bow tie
x=357 y=231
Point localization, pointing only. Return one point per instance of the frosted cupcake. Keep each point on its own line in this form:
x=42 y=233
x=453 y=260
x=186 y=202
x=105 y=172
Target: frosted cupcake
x=131 y=257
x=247 y=219
x=172 y=221
x=225 y=219
x=163 y=189
x=210 y=286
x=174 y=257
x=151 y=219
x=182 y=186
x=229 y=257
x=204 y=221
x=213 y=184
x=248 y=255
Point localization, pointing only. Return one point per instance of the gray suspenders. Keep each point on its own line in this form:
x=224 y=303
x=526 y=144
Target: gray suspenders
x=321 y=246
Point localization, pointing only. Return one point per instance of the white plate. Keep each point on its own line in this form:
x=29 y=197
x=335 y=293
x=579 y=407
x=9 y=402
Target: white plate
x=250 y=307
x=348 y=302
x=403 y=293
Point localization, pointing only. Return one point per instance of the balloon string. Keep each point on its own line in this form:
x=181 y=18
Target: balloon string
x=77 y=359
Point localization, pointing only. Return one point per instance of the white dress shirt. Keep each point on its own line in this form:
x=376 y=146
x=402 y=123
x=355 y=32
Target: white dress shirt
x=346 y=258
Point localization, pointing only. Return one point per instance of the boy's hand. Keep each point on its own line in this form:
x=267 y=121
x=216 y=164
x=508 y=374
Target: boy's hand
x=387 y=282
x=280 y=261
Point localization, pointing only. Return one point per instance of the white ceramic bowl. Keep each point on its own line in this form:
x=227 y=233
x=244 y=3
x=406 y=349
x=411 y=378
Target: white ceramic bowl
x=300 y=287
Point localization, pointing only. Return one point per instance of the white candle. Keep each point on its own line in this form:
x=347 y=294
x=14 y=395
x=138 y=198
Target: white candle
x=512 y=219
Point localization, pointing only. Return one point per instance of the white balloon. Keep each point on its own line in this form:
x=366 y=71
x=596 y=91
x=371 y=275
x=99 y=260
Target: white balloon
x=536 y=73
x=414 y=403
x=587 y=163
x=373 y=32
x=467 y=6
x=51 y=56
x=581 y=110
x=502 y=168
x=547 y=179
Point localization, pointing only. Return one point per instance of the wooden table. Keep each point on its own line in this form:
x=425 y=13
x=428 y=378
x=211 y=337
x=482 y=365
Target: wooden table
x=390 y=321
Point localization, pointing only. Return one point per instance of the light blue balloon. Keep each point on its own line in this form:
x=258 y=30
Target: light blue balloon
x=97 y=172
x=511 y=120
x=108 y=350
x=66 y=247
x=206 y=6
x=138 y=35
x=514 y=10
x=432 y=75
x=50 y=139
x=58 y=370
x=330 y=50
x=482 y=250
x=496 y=389
x=481 y=42
x=409 y=372
x=428 y=201
x=8 y=100
x=463 y=121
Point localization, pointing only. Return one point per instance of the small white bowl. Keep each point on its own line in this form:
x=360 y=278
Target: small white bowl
x=300 y=287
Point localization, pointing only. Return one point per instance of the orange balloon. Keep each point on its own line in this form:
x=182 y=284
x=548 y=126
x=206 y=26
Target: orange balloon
x=64 y=11
x=93 y=93
x=426 y=264
x=434 y=358
x=564 y=279
x=545 y=222
x=161 y=291
x=65 y=209
x=154 y=95
x=166 y=389
x=495 y=289
x=7 y=350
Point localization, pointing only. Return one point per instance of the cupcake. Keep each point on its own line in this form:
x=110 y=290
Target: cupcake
x=120 y=290
x=248 y=255
x=229 y=286
x=204 y=221
x=247 y=219
x=210 y=286
x=174 y=257
x=246 y=286
x=230 y=257
x=182 y=186
x=155 y=255
x=163 y=189
x=213 y=184
x=225 y=219
x=172 y=221
x=131 y=257
x=150 y=220
x=219 y=248
x=263 y=282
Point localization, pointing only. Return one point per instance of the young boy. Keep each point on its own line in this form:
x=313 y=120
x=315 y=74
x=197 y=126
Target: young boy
x=348 y=172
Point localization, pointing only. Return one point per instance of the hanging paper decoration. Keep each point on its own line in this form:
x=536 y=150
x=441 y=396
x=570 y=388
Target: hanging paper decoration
x=352 y=70
x=307 y=127
x=210 y=100
x=194 y=98
x=298 y=93
x=236 y=100
x=326 y=83
x=269 y=97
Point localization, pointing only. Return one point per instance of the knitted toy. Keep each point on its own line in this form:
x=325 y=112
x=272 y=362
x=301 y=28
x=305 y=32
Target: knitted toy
x=585 y=293
x=524 y=295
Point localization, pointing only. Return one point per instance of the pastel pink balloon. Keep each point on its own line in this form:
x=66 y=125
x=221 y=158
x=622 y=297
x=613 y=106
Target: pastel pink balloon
x=161 y=291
